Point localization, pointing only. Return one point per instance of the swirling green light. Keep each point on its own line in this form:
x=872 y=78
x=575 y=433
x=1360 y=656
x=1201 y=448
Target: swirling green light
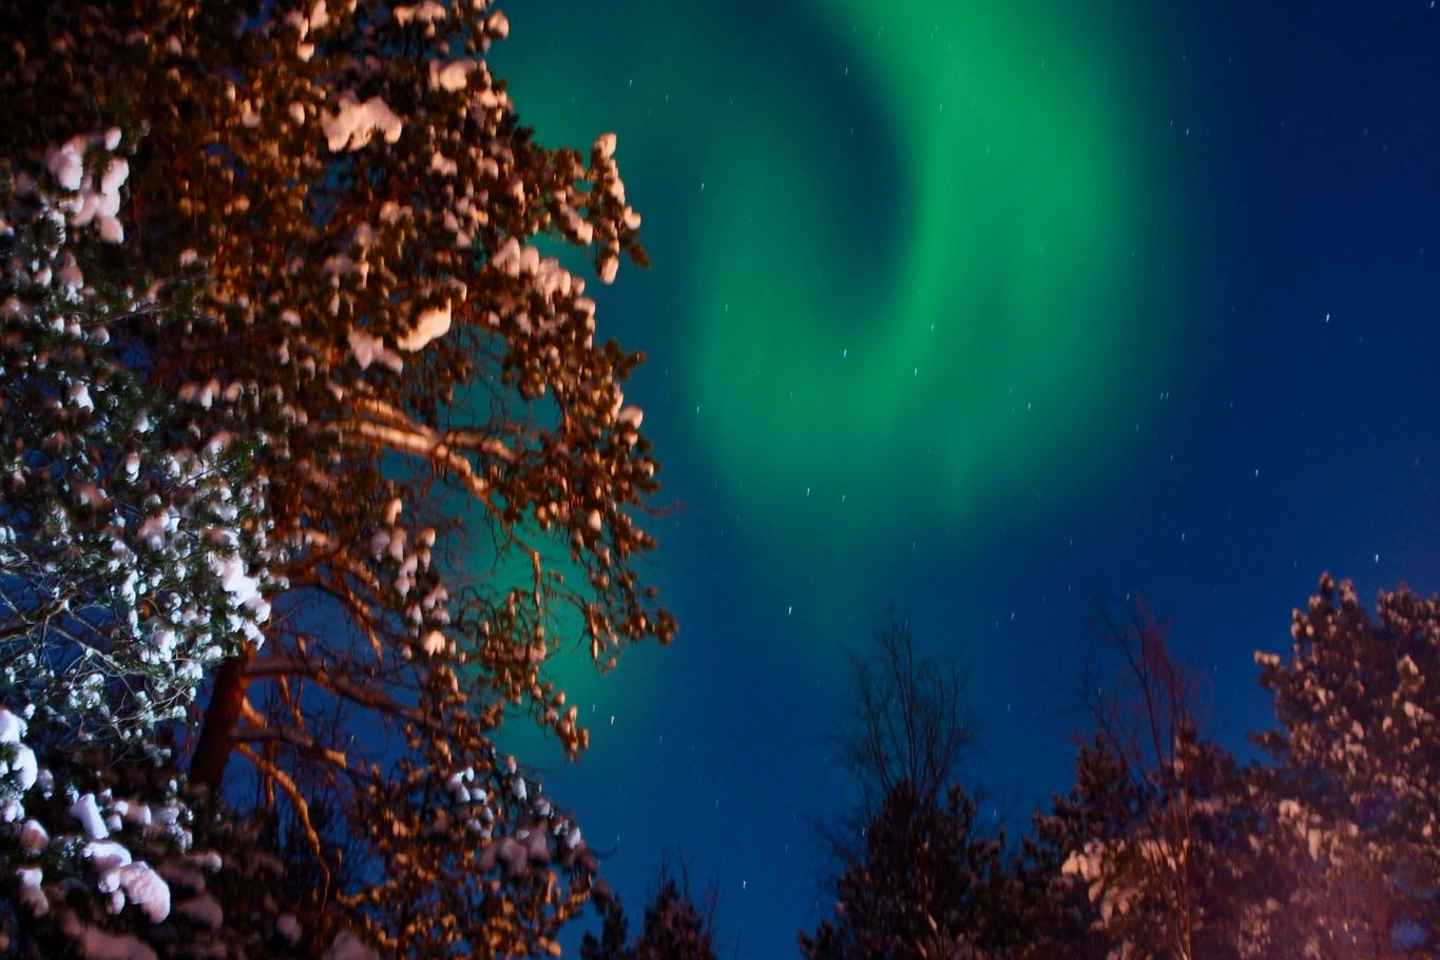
x=917 y=336
x=894 y=273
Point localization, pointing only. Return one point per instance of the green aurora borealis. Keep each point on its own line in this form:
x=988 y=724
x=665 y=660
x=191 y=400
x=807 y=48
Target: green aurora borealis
x=905 y=307
x=909 y=245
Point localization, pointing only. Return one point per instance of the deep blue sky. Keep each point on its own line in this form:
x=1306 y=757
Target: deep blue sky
x=1285 y=240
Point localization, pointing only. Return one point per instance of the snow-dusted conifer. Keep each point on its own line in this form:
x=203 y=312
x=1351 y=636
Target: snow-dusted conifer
x=122 y=859
x=1357 y=794
x=1330 y=849
x=352 y=188
x=131 y=534
x=1056 y=906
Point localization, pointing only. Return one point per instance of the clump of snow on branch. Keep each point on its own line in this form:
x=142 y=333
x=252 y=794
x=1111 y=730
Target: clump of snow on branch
x=127 y=864
x=353 y=123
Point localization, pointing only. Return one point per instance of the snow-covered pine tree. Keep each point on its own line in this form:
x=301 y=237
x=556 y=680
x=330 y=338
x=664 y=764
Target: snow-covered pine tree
x=1189 y=877
x=111 y=859
x=1162 y=838
x=1357 y=792
x=1328 y=851
x=1057 y=911
x=132 y=534
x=134 y=557
x=353 y=191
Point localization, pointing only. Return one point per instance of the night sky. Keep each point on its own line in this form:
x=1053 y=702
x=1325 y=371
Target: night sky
x=994 y=311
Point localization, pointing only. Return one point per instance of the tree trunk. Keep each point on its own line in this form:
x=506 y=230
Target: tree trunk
x=212 y=750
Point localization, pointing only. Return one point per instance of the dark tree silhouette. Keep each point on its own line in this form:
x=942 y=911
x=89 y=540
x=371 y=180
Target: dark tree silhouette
x=912 y=874
x=927 y=886
x=910 y=723
x=675 y=928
